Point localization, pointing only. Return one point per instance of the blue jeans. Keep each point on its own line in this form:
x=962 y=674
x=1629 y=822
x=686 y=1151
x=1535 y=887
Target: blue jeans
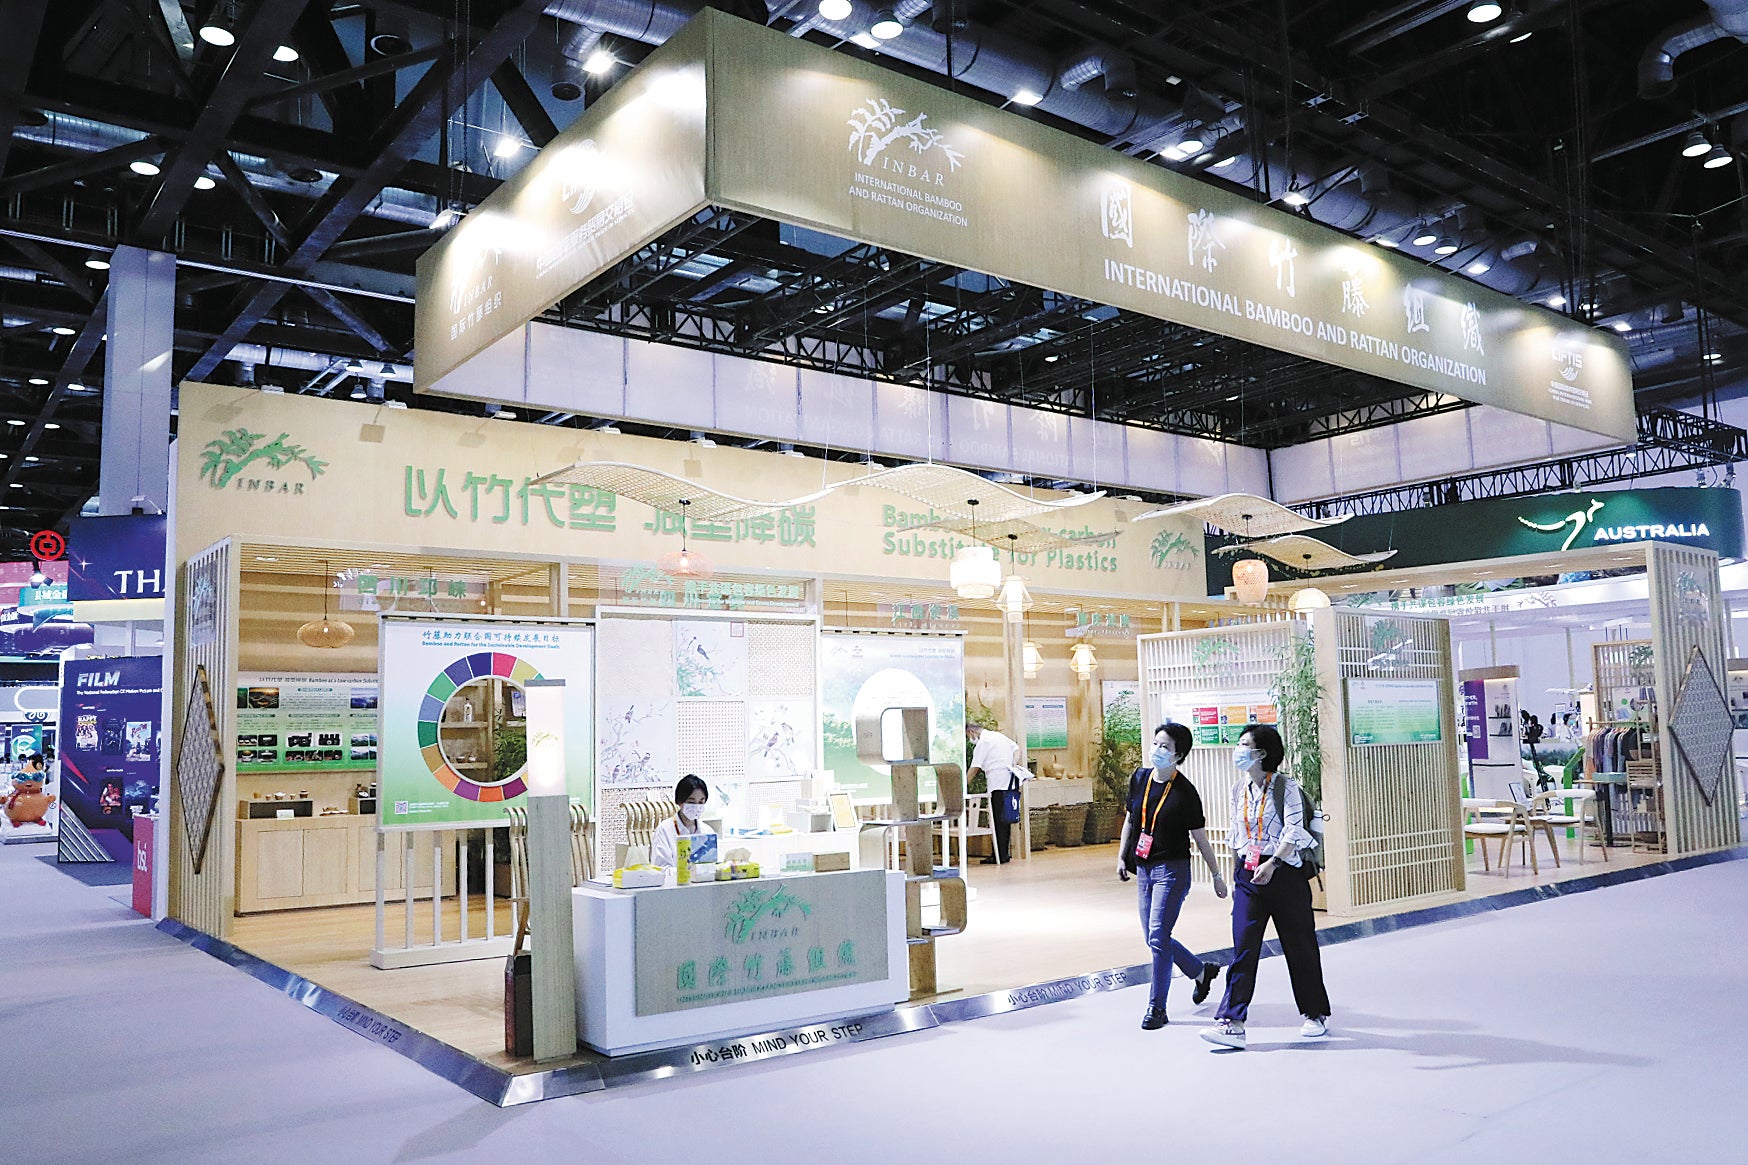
x=1162 y=890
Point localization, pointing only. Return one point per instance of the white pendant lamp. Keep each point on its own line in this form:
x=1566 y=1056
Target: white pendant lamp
x=1031 y=659
x=1308 y=599
x=1084 y=660
x=974 y=573
x=1250 y=579
x=1015 y=599
x=326 y=632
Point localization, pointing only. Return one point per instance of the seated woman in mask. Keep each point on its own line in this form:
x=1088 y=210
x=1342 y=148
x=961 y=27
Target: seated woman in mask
x=689 y=798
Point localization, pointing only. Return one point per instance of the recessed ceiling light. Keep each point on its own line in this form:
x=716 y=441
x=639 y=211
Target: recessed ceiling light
x=97 y=264
x=1485 y=11
x=1223 y=163
x=886 y=25
x=599 y=63
x=835 y=9
x=204 y=183
x=218 y=35
x=1027 y=97
x=39 y=380
x=1556 y=301
x=1425 y=239
x=285 y=54
x=50 y=425
x=63 y=330
x=143 y=168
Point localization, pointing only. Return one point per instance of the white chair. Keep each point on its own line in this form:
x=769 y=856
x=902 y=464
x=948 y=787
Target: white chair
x=1475 y=829
x=978 y=821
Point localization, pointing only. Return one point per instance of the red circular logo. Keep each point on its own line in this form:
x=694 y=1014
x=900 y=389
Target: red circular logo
x=47 y=546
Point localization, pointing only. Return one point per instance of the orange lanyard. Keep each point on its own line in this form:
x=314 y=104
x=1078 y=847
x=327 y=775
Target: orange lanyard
x=1255 y=834
x=1149 y=819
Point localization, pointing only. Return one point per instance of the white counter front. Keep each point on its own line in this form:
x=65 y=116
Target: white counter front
x=677 y=965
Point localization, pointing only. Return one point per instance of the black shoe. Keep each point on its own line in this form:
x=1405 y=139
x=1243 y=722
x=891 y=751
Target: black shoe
x=990 y=862
x=1154 y=1019
x=1210 y=972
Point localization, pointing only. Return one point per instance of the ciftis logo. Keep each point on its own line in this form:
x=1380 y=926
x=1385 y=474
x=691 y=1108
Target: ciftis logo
x=579 y=171
x=1117 y=212
x=1569 y=357
x=879 y=125
x=225 y=460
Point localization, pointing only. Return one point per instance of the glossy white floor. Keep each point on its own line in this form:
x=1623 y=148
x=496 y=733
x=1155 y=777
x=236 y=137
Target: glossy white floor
x=1602 y=1027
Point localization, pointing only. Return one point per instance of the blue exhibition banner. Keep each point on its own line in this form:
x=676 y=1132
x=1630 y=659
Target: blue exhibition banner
x=111 y=736
x=116 y=558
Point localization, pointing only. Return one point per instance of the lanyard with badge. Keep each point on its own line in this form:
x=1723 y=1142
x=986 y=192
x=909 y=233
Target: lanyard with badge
x=1149 y=819
x=1253 y=851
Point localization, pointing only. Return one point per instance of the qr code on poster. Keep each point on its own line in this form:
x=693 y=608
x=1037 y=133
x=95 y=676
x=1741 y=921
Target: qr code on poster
x=401 y=807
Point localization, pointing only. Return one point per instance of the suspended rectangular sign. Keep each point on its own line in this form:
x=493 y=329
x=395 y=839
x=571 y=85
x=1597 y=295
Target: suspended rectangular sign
x=732 y=114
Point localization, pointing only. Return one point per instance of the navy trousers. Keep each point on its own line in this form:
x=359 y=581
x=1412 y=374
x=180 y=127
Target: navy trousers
x=1286 y=899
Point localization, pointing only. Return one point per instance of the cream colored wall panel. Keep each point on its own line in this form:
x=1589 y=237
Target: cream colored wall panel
x=1152 y=459
x=575 y=371
x=908 y=421
x=1201 y=467
x=670 y=386
x=1303 y=471
x=758 y=398
x=1435 y=446
x=1247 y=470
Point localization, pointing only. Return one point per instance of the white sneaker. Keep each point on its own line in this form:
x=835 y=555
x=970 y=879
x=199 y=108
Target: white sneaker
x=1228 y=1033
x=1313 y=1027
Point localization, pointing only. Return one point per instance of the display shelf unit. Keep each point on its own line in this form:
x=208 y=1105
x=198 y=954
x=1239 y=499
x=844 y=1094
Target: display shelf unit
x=1624 y=672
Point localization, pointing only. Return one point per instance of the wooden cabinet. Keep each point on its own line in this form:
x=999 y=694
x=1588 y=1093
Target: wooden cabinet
x=328 y=861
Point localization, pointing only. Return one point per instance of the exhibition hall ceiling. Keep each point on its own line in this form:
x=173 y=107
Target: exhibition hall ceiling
x=298 y=157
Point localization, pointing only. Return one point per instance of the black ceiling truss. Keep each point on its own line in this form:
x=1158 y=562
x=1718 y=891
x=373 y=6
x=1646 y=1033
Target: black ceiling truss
x=1669 y=442
x=323 y=165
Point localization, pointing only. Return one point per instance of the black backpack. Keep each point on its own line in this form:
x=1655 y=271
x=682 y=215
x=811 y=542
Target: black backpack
x=1310 y=857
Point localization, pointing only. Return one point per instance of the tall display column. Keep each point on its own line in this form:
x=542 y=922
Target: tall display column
x=1014 y=656
x=136 y=381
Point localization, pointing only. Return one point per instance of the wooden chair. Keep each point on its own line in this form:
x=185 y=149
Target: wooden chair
x=979 y=821
x=582 y=851
x=1549 y=808
x=1481 y=831
x=641 y=819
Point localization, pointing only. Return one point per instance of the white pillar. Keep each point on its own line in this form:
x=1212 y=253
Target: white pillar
x=136 y=381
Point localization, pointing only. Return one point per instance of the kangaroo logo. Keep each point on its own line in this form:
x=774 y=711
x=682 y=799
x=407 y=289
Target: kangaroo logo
x=1577 y=519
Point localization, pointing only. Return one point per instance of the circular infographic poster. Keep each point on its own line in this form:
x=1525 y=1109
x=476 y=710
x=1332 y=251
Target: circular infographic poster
x=470 y=722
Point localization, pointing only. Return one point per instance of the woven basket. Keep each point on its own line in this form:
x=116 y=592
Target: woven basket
x=1040 y=819
x=1104 y=823
x=1068 y=823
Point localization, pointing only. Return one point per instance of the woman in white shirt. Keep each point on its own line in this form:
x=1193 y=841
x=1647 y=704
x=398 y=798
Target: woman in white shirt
x=689 y=798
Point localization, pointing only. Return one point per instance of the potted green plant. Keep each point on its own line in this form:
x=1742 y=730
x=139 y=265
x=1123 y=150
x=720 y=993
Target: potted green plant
x=1297 y=693
x=1118 y=756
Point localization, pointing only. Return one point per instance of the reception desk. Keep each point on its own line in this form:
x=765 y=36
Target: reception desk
x=676 y=965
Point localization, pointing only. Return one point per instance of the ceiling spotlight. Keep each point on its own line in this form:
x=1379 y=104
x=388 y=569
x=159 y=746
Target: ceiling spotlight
x=97 y=264
x=1485 y=11
x=1521 y=37
x=445 y=218
x=1386 y=241
x=50 y=425
x=14 y=422
x=1622 y=326
x=1224 y=162
x=508 y=145
x=217 y=35
x=1294 y=198
x=1027 y=97
x=1718 y=157
x=599 y=62
x=1556 y=301
x=1425 y=239
x=1479 y=267
x=886 y=26
x=64 y=330
x=354 y=367
x=357 y=392
x=1696 y=144
x=285 y=54
x=834 y=9
x=1191 y=145
x=1711 y=358
x=144 y=168
x=1448 y=247
x=39 y=380
x=204 y=183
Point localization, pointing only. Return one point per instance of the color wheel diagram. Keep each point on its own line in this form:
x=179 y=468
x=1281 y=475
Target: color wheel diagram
x=480 y=665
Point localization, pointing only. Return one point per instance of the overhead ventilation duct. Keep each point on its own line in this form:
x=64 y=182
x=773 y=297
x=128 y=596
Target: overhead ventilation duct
x=1116 y=67
x=249 y=355
x=1729 y=18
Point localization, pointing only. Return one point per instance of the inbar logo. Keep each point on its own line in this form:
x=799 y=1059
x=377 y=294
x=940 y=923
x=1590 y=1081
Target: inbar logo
x=237 y=449
x=878 y=124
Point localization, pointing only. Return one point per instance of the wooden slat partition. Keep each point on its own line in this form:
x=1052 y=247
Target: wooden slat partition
x=1395 y=824
x=1687 y=608
x=205 y=900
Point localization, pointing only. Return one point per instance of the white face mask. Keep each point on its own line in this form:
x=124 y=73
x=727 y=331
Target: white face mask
x=1248 y=760
x=691 y=811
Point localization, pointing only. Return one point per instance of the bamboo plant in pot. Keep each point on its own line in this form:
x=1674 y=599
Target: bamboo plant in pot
x=1297 y=693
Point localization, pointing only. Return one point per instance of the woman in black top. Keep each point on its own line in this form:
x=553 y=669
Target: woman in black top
x=1165 y=813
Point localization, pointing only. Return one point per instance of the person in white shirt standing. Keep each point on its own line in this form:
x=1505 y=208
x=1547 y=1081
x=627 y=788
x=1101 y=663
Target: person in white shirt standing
x=997 y=758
